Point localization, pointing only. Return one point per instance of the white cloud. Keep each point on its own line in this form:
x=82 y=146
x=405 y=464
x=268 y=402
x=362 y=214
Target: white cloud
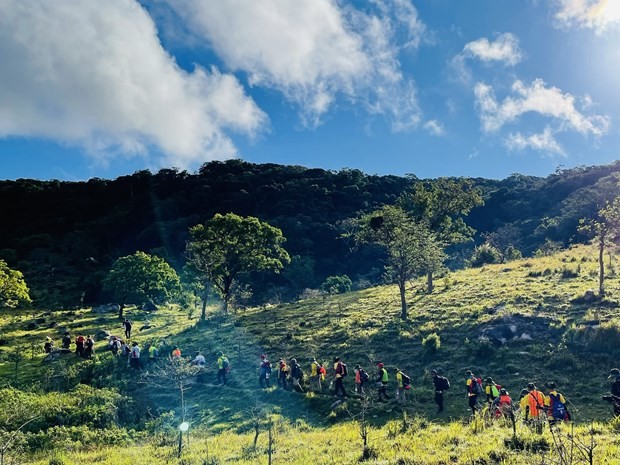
x=505 y=49
x=537 y=98
x=316 y=51
x=434 y=127
x=543 y=142
x=94 y=74
x=593 y=14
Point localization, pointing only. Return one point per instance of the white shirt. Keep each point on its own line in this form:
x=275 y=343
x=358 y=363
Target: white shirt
x=135 y=352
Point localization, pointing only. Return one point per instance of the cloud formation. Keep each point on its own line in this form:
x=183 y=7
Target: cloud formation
x=315 y=51
x=505 y=50
x=544 y=142
x=536 y=98
x=434 y=127
x=592 y=14
x=94 y=74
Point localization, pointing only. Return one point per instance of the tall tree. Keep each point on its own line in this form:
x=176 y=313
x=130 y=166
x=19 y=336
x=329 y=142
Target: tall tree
x=441 y=206
x=229 y=245
x=141 y=277
x=605 y=230
x=410 y=246
x=13 y=288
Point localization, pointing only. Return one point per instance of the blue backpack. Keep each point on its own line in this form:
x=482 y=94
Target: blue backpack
x=558 y=408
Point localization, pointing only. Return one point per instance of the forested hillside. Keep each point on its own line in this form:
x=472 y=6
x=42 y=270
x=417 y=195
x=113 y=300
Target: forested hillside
x=64 y=235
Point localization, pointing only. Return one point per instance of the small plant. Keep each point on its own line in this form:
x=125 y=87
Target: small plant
x=432 y=342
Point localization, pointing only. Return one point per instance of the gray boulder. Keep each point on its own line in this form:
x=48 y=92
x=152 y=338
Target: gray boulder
x=102 y=335
x=107 y=308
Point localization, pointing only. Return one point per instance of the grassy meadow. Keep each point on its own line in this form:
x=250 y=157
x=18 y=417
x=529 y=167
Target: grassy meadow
x=126 y=417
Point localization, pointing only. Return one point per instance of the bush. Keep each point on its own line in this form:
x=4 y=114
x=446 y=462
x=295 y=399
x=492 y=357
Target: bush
x=484 y=254
x=432 y=342
x=337 y=284
x=603 y=339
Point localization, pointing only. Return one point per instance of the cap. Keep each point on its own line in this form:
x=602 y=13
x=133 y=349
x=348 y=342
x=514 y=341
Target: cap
x=262 y=356
x=614 y=373
x=433 y=372
x=488 y=380
x=468 y=373
x=380 y=365
x=531 y=386
x=503 y=391
x=358 y=366
x=551 y=385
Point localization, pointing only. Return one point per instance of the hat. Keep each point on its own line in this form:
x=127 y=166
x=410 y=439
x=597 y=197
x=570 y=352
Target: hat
x=134 y=344
x=523 y=392
x=380 y=365
x=433 y=372
x=293 y=360
x=396 y=370
x=531 y=386
x=358 y=366
x=263 y=356
x=336 y=359
x=503 y=391
x=614 y=373
x=551 y=385
x=468 y=373
x=488 y=380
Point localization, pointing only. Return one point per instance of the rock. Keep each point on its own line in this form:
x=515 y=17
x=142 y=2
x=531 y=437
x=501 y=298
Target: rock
x=145 y=327
x=525 y=337
x=39 y=321
x=107 y=308
x=4 y=342
x=589 y=296
x=517 y=327
x=149 y=307
x=32 y=325
x=53 y=324
x=102 y=335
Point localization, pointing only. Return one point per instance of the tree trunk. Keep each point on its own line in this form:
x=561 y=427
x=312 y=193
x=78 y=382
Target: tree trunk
x=601 y=268
x=403 y=300
x=205 y=298
x=429 y=282
x=120 y=311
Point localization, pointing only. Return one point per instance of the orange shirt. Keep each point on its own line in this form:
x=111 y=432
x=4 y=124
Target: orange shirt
x=536 y=401
x=176 y=353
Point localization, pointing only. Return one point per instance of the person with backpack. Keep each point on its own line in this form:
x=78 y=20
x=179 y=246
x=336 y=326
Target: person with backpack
x=555 y=405
x=297 y=375
x=491 y=390
x=115 y=346
x=134 y=356
x=49 y=345
x=340 y=371
x=614 y=397
x=66 y=340
x=283 y=372
x=502 y=405
x=361 y=378
x=223 y=367
x=176 y=353
x=403 y=384
x=474 y=388
x=89 y=347
x=264 y=371
x=79 y=345
x=533 y=403
x=382 y=382
x=127 y=325
x=441 y=385
x=315 y=375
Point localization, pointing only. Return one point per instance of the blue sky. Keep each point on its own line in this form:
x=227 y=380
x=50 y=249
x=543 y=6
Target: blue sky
x=435 y=88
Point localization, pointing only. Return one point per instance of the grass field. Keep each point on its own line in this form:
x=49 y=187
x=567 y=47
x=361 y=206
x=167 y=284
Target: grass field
x=567 y=340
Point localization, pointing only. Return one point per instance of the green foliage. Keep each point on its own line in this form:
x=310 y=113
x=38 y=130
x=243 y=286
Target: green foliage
x=228 y=246
x=337 y=284
x=141 y=277
x=602 y=339
x=13 y=288
x=432 y=342
x=485 y=254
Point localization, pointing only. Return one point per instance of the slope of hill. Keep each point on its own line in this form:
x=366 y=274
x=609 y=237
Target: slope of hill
x=554 y=335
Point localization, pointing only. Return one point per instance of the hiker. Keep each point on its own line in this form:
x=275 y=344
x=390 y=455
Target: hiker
x=403 y=383
x=134 y=356
x=127 y=325
x=125 y=349
x=66 y=340
x=614 y=397
x=223 y=367
x=474 y=387
x=79 y=345
x=382 y=381
x=153 y=353
x=89 y=347
x=176 y=353
x=441 y=384
x=115 y=346
x=265 y=371
x=491 y=390
x=534 y=405
x=555 y=405
x=315 y=375
x=361 y=378
x=49 y=345
x=296 y=374
x=283 y=371
x=340 y=371
x=503 y=405
x=199 y=360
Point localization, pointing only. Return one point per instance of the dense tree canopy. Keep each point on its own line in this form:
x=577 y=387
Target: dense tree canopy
x=141 y=277
x=13 y=288
x=229 y=245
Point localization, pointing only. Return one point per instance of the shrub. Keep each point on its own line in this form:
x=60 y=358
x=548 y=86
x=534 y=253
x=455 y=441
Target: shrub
x=432 y=342
x=484 y=254
x=337 y=284
x=602 y=339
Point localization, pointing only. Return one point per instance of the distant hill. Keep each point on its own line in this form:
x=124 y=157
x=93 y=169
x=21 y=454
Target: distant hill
x=64 y=235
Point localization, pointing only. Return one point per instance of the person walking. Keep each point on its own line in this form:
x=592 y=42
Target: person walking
x=382 y=382
x=134 y=356
x=491 y=390
x=115 y=346
x=176 y=353
x=127 y=325
x=49 y=345
x=223 y=366
x=441 y=385
x=340 y=371
x=79 y=345
x=503 y=405
x=555 y=405
x=297 y=375
x=89 y=347
x=474 y=388
x=315 y=375
x=534 y=402
x=264 y=367
x=66 y=340
x=199 y=360
x=361 y=378
x=283 y=372
x=403 y=383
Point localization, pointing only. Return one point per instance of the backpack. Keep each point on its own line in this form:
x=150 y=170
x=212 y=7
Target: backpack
x=558 y=409
x=297 y=373
x=444 y=383
x=406 y=380
x=225 y=364
x=344 y=371
x=322 y=371
x=476 y=386
x=364 y=377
